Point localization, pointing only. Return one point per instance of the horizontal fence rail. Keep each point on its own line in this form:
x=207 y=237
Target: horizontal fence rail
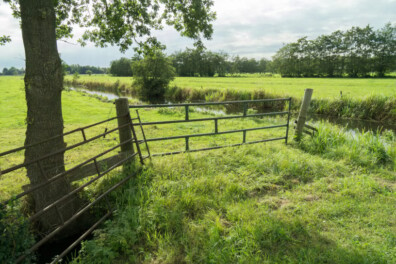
x=211 y=103
x=308 y=129
x=187 y=119
x=88 y=168
x=57 y=136
x=210 y=119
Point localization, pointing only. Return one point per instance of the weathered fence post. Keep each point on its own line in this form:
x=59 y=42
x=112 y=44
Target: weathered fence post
x=123 y=119
x=302 y=116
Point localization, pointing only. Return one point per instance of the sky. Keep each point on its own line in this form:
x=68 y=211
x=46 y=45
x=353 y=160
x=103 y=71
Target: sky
x=249 y=28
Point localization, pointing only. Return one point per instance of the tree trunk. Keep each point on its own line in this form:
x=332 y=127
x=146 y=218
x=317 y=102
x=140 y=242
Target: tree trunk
x=43 y=88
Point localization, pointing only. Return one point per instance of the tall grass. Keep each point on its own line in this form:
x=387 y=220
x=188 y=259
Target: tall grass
x=368 y=149
x=253 y=204
x=372 y=107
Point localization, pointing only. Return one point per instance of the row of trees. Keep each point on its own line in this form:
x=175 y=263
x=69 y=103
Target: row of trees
x=12 y=71
x=199 y=62
x=75 y=68
x=357 y=52
x=121 y=67
x=67 y=69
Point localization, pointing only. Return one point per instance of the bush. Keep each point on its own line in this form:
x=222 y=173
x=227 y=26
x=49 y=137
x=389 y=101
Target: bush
x=15 y=237
x=76 y=76
x=152 y=75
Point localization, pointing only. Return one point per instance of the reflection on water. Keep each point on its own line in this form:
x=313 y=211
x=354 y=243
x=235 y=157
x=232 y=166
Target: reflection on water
x=360 y=125
x=109 y=96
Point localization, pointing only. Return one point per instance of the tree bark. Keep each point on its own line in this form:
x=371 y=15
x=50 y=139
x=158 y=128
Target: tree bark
x=43 y=88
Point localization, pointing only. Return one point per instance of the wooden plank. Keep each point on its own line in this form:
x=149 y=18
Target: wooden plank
x=303 y=113
x=90 y=169
x=308 y=132
x=310 y=127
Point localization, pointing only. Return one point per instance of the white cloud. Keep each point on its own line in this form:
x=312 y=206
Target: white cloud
x=252 y=28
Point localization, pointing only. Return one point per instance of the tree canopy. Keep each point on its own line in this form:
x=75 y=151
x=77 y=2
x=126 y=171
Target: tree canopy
x=204 y=63
x=152 y=75
x=121 y=67
x=125 y=22
x=12 y=71
x=357 y=52
x=70 y=69
x=4 y=40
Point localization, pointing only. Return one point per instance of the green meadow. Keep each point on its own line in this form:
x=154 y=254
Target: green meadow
x=364 y=99
x=80 y=110
x=328 y=199
x=324 y=87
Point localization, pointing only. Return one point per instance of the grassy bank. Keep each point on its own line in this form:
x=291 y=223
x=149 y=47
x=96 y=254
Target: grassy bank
x=369 y=99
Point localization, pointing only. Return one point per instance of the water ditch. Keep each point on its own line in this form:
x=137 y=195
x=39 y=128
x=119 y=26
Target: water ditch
x=352 y=124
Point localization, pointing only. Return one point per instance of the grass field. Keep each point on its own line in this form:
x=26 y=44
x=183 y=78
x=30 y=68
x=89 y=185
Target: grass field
x=323 y=87
x=363 y=99
x=81 y=110
x=78 y=111
x=330 y=199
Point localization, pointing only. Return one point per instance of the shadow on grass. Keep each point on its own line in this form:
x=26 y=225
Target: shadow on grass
x=282 y=242
x=174 y=217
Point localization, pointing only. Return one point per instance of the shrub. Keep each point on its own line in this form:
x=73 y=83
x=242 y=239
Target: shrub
x=76 y=76
x=152 y=75
x=15 y=237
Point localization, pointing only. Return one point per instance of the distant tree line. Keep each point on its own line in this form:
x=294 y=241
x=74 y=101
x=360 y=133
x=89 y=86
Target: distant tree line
x=203 y=63
x=121 y=67
x=12 y=71
x=75 y=68
x=357 y=52
x=200 y=63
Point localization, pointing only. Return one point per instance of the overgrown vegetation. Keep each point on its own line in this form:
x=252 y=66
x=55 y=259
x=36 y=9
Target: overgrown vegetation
x=15 y=235
x=366 y=149
x=371 y=107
